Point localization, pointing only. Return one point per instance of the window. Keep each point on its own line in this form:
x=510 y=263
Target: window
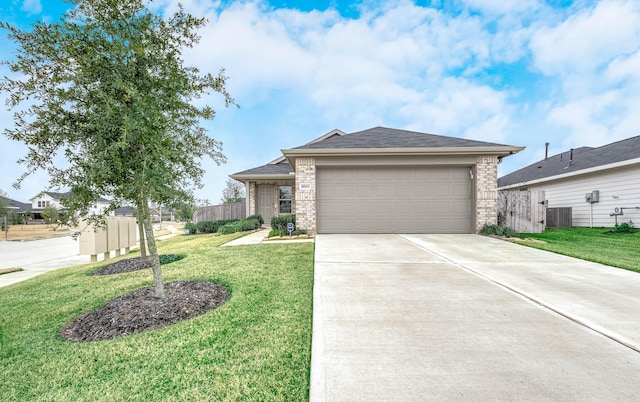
x=285 y=199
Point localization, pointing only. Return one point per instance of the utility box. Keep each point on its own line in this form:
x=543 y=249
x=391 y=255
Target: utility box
x=592 y=197
x=559 y=217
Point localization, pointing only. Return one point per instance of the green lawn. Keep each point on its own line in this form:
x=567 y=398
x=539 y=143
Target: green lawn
x=592 y=244
x=256 y=346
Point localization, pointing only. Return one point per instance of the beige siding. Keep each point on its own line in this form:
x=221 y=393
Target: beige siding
x=618 y=188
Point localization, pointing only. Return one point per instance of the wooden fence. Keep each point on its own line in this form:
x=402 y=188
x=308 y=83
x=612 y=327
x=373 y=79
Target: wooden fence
x=220 y=212
x=524 y=211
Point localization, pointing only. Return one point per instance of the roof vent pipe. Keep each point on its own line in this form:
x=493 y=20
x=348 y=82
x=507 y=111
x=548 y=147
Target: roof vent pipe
x=571 y=157
x=546 y=151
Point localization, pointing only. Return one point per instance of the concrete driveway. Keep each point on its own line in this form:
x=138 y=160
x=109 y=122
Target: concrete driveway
x=466 y=317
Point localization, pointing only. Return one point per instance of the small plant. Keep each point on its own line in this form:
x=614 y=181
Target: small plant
x=275 y=233
x=624 y=227
x=498 y=230
x=279 y=222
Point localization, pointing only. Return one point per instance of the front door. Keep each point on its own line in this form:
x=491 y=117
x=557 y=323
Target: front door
x=265 y=202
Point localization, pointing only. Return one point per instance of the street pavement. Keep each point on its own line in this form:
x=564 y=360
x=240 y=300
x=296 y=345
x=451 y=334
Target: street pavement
x=36 y=257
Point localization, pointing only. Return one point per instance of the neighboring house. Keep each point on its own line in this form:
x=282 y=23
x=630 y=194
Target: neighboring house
x=593 y=182
x=126 y=211
x=160 y=214
x=380 y=180
x=51 y=199
x=17 y=207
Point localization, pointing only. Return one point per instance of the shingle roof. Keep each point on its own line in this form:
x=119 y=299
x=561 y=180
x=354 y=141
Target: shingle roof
x=583 y=158
x=16 y=206
x=374 y=138
x=382 y=137
x=61 y=196
x=282 y=167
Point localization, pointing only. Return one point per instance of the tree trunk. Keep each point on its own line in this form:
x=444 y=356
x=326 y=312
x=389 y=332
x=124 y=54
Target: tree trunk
x=153 y=254
x=143 y=243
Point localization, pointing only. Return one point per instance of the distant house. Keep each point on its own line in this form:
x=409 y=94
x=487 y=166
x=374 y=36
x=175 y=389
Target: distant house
x=16 y=207
x=159 y=214
x=51 y=199
x=126 y=211
x=593 y=182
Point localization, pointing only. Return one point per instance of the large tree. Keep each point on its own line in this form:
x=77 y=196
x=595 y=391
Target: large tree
x=233 y=192
x=106 y=87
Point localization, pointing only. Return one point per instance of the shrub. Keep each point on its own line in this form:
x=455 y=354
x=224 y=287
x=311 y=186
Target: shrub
x=191 y=227
x=250 y=224
x=230 y=228
x=243 y=225
x=258 y=217
x=212 y=226
x=624 y=227
x=498 y=230
x=510 y=232
x=206 y=227
x=279 y=222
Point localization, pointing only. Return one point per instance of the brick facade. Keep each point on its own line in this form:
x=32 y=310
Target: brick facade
x=253 y=195
x=486 y=172
x=252 y=198
x=305 y=193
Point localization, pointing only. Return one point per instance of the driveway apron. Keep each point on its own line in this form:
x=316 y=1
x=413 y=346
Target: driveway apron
x=462 y=317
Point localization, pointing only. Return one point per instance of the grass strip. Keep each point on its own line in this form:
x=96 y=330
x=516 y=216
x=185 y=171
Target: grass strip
x=256 y=346
x=601 y=245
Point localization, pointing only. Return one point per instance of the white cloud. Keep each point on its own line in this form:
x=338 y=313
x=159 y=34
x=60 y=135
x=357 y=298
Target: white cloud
x=594 y=58
x=501 y=7
x=461 y=108
x=32 y=6
x=589 y=39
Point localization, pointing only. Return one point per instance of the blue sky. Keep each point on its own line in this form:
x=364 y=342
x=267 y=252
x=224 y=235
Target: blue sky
x=517 y=72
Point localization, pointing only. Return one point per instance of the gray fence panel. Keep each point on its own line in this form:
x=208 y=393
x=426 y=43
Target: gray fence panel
x=220 y=212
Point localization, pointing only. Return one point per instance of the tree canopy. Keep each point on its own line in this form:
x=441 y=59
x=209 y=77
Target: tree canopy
x=233 y=192
x=106 y=87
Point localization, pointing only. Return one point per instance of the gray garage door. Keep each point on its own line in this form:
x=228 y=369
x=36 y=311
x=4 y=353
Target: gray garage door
x=394 y=200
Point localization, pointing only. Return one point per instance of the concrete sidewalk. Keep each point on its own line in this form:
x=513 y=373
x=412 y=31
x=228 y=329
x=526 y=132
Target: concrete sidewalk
x=260 y=237
x=426 y=317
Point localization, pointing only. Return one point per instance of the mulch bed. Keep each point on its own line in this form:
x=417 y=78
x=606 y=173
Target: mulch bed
x=140 y=311
x=134 y=264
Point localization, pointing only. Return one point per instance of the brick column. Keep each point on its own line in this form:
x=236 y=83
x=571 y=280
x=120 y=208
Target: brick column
x=251 y=194
x=486 y=191
x=305 y=190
